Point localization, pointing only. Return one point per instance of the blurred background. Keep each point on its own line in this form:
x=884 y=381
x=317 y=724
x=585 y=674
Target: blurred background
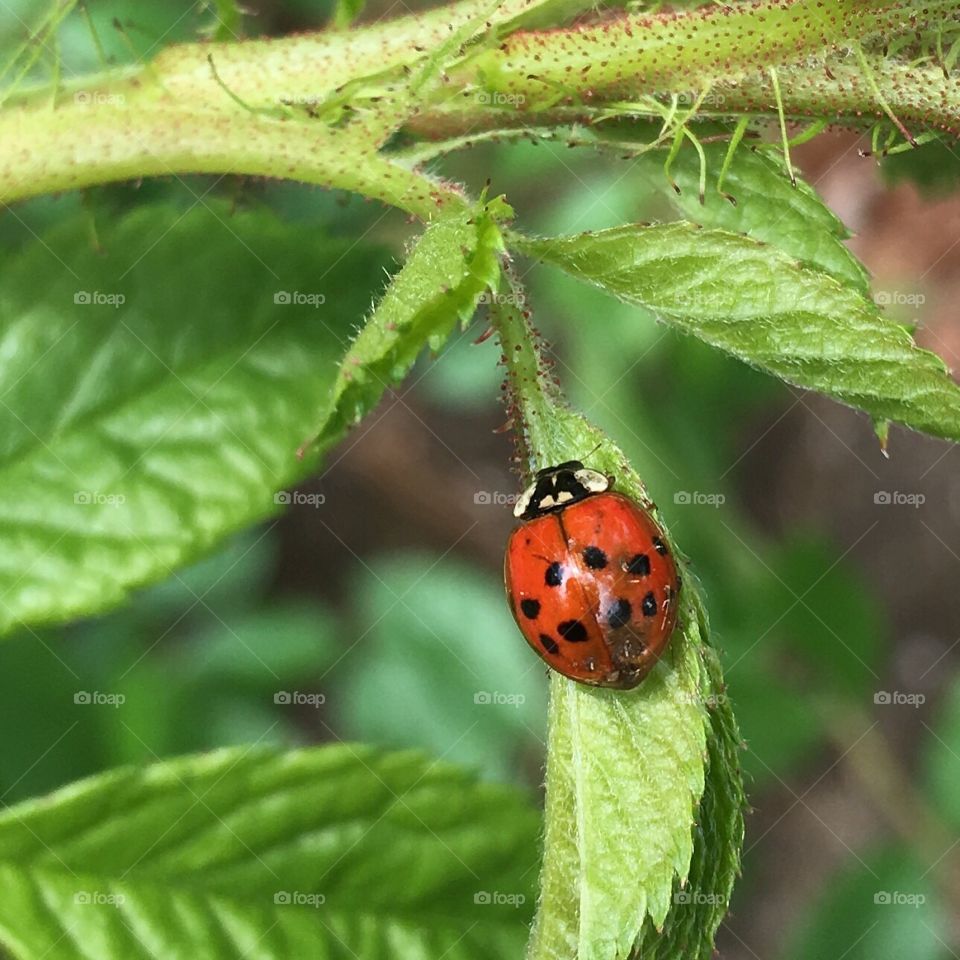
x=373 y=608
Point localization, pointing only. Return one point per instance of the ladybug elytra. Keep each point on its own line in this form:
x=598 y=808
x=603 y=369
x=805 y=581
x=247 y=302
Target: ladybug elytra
x=590 y=579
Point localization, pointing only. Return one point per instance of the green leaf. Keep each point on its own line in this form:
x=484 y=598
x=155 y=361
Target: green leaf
x=619 y=766
x=624 y=865
x=631 y=815
x=136 y=434
x=451 y=265
x=761 y=306
x=699 y=906
x=337 y=852
x=768 y=206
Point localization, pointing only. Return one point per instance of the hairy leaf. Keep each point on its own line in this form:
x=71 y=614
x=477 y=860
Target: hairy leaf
x=768 y=207
x=448 y=269
x=759 y=305
x=631 y=816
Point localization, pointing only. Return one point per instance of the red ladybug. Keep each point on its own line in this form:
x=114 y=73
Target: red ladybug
x=590 y=579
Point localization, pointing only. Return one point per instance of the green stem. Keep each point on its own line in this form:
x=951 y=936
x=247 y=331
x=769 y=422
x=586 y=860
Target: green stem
x=101 y=142
x=679 y=53
x=531 y=394
x=178 y=116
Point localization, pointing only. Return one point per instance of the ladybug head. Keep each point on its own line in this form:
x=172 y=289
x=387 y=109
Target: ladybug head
x=557 y=487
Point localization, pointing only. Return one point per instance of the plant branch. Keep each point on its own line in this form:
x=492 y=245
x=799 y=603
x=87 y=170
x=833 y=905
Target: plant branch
x=319 y=107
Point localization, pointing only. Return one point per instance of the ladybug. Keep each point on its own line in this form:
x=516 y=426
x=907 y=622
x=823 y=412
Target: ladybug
x=590 y=579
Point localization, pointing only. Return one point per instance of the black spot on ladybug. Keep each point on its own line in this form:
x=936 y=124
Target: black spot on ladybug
x=638 y=565
x=649 y=605
x=572 y=630
x=530 y=608
x=594 y=558
x=549 y=644
x=554 y=575
x=659 y=546
x=620 y=613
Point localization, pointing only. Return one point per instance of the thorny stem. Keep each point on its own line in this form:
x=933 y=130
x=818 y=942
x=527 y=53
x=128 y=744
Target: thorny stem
x=532 y=401
x=348 y=93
